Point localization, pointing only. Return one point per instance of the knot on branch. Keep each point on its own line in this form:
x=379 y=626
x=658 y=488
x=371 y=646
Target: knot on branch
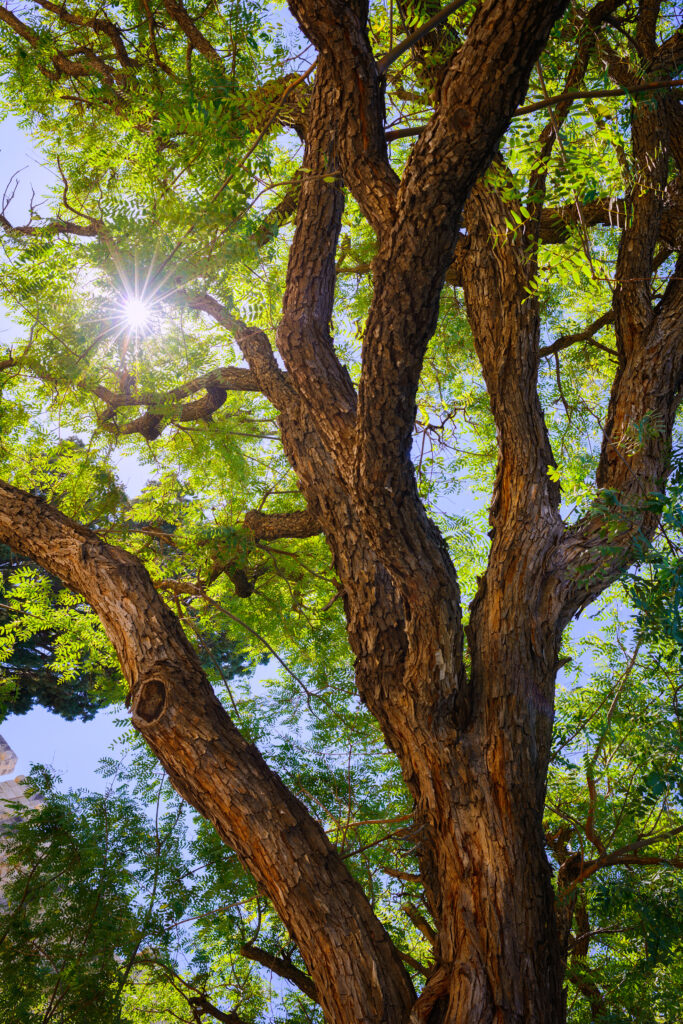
x=151 y=702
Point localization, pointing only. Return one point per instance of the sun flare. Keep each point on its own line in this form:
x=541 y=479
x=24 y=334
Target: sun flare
x=136 y=313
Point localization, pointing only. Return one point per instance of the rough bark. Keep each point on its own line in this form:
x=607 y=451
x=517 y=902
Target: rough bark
x=352 y=961
x=473 y=740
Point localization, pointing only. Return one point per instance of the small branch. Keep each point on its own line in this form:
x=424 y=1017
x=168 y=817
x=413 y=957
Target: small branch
x=585 y=240
x=399 y=833
x=274 y=525
x=633 y=859
x=404 y=876
x=150 y=424
x=420 y=922
x=103 y=25
x=566 y=340
x=177 y=11
x=659 y=837
x=52 y=227
x=385 y=63
x=630 y=855
x=379 y=821
x=200 y=1006
x=328 y=604
x=229 y=378
x=531 y=108
x=587 y=94
x=195 y=591
x=278 y=215
x=283 y=968
x=410 y=961
x=253 y=344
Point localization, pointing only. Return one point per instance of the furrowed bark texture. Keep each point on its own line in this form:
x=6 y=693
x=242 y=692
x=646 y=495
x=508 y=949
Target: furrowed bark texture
x=473 y=738
x=217 y=771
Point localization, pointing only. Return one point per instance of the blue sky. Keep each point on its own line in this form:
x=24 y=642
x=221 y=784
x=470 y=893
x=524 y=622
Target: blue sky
x=72 y=748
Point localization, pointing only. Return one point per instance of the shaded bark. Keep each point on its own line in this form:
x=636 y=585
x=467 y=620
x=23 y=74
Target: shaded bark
x=472 y=738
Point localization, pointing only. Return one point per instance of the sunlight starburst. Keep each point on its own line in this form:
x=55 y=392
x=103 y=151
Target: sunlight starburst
x=136 y=313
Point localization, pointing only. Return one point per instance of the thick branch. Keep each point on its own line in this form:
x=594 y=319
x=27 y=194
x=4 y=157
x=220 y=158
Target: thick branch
x=338 y=31
x=646 y=392
x=350 y=957
x=478 y=97
x=304 y=338
x=632 y=296
x=524 y=515
x=420 y=922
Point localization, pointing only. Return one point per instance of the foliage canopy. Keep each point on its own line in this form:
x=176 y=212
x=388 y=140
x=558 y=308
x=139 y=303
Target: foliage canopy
x=183 y=140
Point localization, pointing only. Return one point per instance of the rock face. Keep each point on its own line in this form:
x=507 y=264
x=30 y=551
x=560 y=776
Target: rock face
x=8 y=759
x=12 y=791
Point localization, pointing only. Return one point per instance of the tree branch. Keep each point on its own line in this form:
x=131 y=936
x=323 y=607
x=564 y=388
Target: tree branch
x=228 y=378
x=216 y=384
x=385 y=63
x=201 y=1006
x=566 y=340
x=51 y=227
x=477 y=101
x=303 y=336
x=273 y=525
x=562 y=97
x=339 y=32
x=419 y=922
x=89 y=64
x=178 y=12
x=253 y=344
x=550 y=134
x=97 y=24
x=646 y=391
x=216 y=770
x=283 y=968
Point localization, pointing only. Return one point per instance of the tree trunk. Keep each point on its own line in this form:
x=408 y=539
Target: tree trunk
x=497 y=950
x=473 y=740
x=498 y=936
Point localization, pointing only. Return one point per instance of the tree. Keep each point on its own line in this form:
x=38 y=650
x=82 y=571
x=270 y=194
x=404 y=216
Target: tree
x=544 y=185
x=55 y=654
x=85 y=891
x=28 y=678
